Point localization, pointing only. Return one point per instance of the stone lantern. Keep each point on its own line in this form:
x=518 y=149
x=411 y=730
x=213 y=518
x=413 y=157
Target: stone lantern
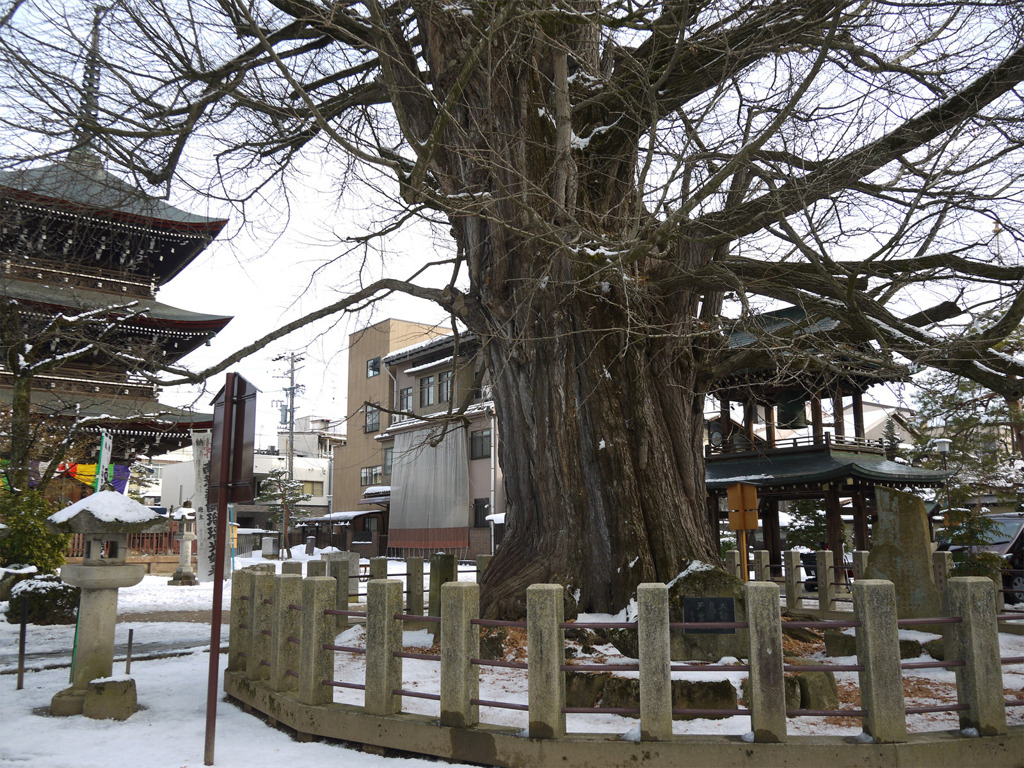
x=104 y=519
x=185 y=576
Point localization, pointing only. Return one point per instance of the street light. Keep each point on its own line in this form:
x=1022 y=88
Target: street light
x=942 y=446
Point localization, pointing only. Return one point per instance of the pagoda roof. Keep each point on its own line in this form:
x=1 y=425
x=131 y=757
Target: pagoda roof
x=84 y=183
x=803 y=468
x=67 y=297
x=159 y=238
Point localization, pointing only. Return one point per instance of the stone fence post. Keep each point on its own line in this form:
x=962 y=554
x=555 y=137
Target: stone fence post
x=860 y=562
x=734 y=563
x=655 y=662
x=414 y=585
x=443 y=568
x=942 y=564
x=260 y=627
x=292 y=567
x=286 y=629
x=378 y=568
x=318 y=629
x=794 y=584
x=826 y=580
x=979 y=683
x=482 y=561
x=762 y=569
x=878 y=650
x=383 y=641
x=241 y=613
x=767 y=686
x=316 y=568
x=460 y=643
x=545 y=654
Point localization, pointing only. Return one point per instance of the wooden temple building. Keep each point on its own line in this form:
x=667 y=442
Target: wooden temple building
x=82 y=256
x=790 y=447
x=80 y=245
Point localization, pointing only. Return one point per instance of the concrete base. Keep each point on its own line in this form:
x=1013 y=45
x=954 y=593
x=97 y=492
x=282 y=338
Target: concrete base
x=68 y=702
x=110 y=700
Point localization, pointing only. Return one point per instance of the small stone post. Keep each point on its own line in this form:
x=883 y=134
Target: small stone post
x=443 y=568
x=287 y=628
x=318 y=629
x=545 y=655
x=316 y=568
x=482 y=561
x=655 y=662
x=292 y=567
x=762 y=571
x=241 y=617
x=860 y=563
x=878 y=649
x=826 y=580
x=794 y=584
x=414 y=585
x=460 y=642
x=383 y=640
x=258 y=662
x=767 y=688
x=979 y=683
x=337 y=569
x=378 y=568
x=942 y=564
x=733 y=563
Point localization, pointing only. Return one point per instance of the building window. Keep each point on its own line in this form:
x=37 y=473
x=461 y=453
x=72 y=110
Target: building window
x=444 y=386
x=370 y=475
x=426 y=391
x=372 y=419
x=404 y=401
x=389 y=454
x=313 y=487
x=481 y=509
x=480 y=444
x=373 y=368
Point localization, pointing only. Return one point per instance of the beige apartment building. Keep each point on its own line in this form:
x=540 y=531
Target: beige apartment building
x=436 y=482
x=360 y=463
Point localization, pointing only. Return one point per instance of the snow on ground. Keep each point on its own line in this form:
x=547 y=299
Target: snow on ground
x=169 y=729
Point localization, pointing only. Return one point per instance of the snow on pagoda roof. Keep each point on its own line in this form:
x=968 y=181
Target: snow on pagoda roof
x=106 y=512
x=82 y=181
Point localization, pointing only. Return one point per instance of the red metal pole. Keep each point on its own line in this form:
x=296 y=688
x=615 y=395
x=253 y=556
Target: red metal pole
x=213 y=683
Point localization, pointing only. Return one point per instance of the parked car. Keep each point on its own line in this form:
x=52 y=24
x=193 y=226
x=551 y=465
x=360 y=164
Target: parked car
x=1008 y=543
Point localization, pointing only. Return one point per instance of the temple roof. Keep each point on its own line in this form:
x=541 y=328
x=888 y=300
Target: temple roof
x=804 y=468
x=66 y=297
x=76 y=211
x=83 y=182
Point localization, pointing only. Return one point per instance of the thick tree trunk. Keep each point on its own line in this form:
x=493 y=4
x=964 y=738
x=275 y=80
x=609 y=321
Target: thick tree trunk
x=600 y=436
x=21 y=433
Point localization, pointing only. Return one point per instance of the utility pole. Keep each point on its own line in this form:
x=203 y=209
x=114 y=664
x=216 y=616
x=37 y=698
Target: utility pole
x=292 y=359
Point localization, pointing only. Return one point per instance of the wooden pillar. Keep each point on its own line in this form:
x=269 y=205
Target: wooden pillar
x=772 y=534
x=839 y=421
x=769 y=423
x=725 y=417
x=817 y=422
x=860 y=519
x=749 y=411
x=834 y=521
x=858 y=413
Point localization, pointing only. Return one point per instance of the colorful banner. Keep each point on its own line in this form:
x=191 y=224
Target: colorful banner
x=86 y=473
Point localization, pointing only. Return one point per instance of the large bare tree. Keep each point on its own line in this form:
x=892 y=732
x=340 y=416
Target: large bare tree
x=612 y=174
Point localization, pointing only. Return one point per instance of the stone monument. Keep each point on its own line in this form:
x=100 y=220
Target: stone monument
x=901 y=552
x=105 y=519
